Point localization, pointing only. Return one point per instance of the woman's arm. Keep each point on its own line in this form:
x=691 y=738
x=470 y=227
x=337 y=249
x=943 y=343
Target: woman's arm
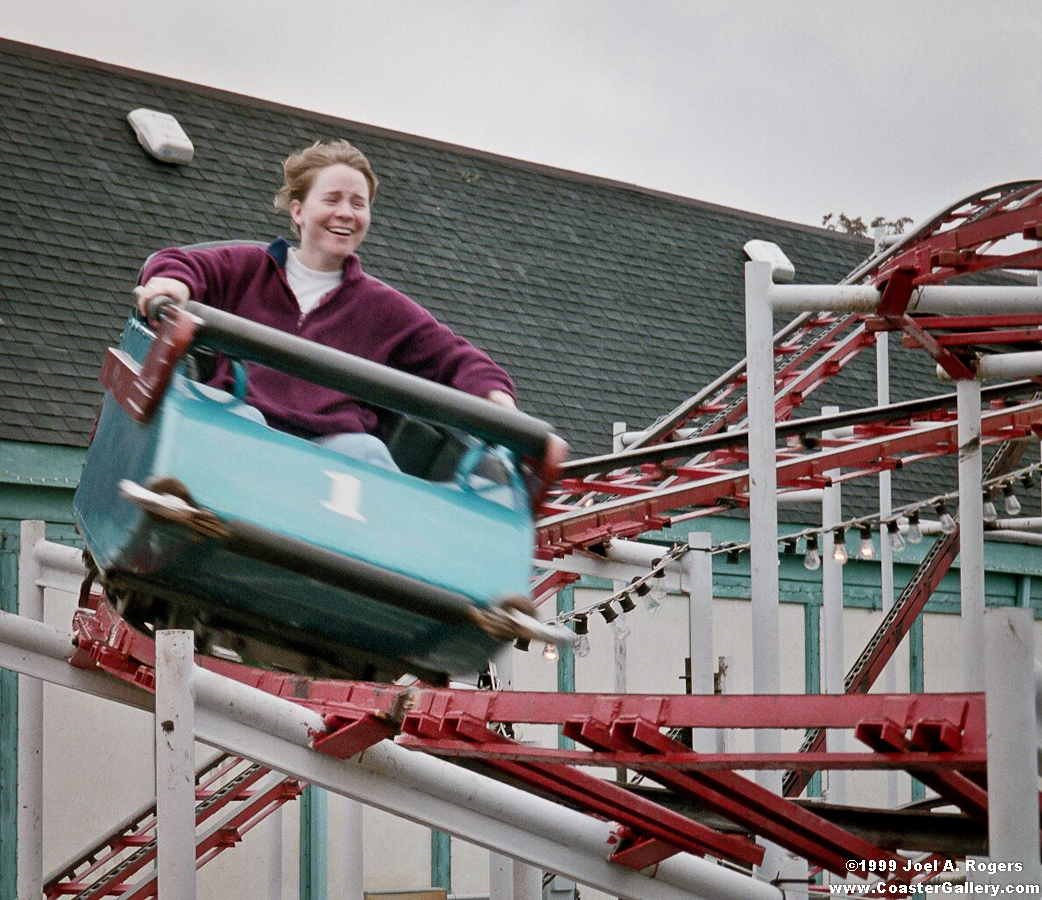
x=160 y=286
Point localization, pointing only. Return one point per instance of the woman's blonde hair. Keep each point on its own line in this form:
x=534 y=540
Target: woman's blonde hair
x=300 y=169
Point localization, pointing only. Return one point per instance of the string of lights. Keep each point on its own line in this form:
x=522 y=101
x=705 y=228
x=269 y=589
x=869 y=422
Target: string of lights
x=897 y=535
x=902 y=527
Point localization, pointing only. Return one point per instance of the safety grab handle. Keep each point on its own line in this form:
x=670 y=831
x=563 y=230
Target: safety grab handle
x=375 y=383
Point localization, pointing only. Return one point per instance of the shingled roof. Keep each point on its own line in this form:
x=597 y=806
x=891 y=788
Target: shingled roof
x=606 y=302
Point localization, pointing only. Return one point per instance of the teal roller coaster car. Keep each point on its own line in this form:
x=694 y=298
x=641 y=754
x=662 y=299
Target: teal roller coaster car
x=282 y=551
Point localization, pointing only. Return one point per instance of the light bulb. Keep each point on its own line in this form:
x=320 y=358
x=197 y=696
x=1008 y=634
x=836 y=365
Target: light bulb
x=948 y=525
x=811 y=556
x=839 y=549
x=866 y=550
x=1012 y=503
x=893 y=533
x=653 y=603
x=658 y=586
x=621 y=629
x=915 y=533
x=988 y=511
x=582 y=636
x=550 y=653
x=582 y=646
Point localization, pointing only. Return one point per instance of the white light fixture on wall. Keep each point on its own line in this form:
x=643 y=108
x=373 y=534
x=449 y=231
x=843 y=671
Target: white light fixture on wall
x=162 y=136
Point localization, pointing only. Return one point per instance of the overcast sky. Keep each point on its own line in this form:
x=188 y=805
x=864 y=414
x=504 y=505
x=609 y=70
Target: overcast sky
x=789 y=108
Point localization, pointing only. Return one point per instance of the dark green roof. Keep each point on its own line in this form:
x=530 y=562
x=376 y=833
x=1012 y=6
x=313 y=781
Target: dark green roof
x=606 y=302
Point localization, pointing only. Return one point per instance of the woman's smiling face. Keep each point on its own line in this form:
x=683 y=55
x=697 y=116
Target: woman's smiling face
x=333 y=218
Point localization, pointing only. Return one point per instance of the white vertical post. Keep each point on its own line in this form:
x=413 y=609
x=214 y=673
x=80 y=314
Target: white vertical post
x=763 y=522
x=528 y=882
x=620 y=629
x=698 y=578
x=501 y=868
x=1012 y=745
x=500 y=877
x=351 y=851
x=886 y=554
x=833 y=670
x=30 y=727
x=509 y=879
x=971 y=534
x=175 y=765
x=275 y=855
x=763 y=481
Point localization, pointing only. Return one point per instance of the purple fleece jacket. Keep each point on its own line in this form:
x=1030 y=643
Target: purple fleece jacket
x=363 y=316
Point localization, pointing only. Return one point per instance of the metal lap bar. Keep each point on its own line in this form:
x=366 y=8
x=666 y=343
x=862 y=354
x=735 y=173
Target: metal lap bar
x=592 y=794
x=378 y=384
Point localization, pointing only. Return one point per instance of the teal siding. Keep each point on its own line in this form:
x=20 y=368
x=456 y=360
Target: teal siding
x=36 y=482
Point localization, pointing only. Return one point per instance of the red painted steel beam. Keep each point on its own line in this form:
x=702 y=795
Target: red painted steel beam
x=735 y=798
x=353 y=735
x=589 y=793
x=584 y=526
x=951 y=363
x=990 y=220
x=885 y=737
x=913 y=761
x=963 y=710
x=901 y=616
x=642 y=853
x=942 y=323
x=970 y=338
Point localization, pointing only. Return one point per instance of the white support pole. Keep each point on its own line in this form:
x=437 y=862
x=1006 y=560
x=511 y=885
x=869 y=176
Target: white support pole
x=501 y=868
x=30 y=726
x=350 y=854
x=698 y=579
x=941 y=300
x=886 y=554
x=175 y=765
x=833 y=671
x=763 y=509
x=528 y=882
x=1012 y=745
x=1004 y=367
x=971 y=535
x=508 y=878
x=275 y=856
x=763 y=524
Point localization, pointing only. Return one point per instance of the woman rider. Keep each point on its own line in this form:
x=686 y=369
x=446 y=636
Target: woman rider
x=319 y=291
